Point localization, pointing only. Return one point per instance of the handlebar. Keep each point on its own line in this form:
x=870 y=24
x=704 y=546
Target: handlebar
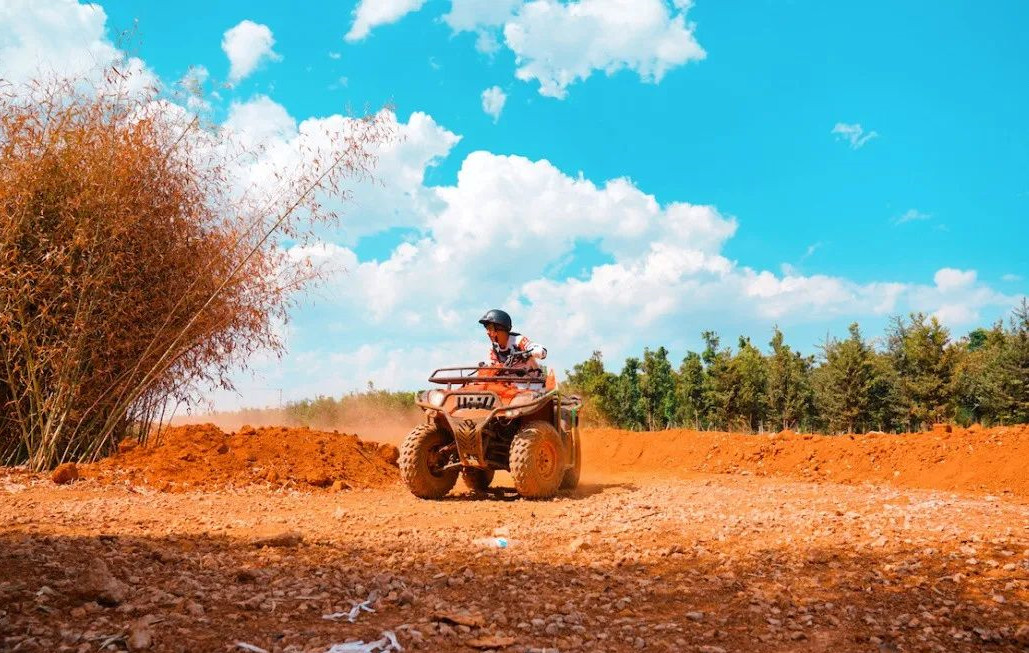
x=519 y=356
x=496 y=373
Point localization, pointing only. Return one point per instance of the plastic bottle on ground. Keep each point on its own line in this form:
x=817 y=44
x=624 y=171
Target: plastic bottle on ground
x=494 y=542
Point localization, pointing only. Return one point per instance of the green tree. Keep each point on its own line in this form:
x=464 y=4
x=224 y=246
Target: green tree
x=1015 y=366
x=657 y=387
x=885 y=408
x=751 y=377
x=631 y=405
x=689 y=390
x=977 y=339
x=789 y=391
x=711 y=343
x=924 y=360
x=721 y=385
x=919 y=377
x=597 y=385
x=842 y=382
x=979 y=375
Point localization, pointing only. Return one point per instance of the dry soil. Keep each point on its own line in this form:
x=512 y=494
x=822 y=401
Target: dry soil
x=675 y=541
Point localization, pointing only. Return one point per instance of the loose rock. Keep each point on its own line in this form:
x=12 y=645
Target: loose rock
x=99 y=584
x=66 y=473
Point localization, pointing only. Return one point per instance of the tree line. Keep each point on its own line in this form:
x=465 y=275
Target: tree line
x=914 y=376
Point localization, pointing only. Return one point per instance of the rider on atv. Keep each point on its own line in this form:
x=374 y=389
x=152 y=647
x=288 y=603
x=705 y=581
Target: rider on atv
x=507 y=414
x=509 y=348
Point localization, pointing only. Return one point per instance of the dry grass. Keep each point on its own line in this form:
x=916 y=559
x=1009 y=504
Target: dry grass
x=133 y=266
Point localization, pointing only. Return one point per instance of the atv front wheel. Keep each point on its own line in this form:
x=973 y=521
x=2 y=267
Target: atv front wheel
x=421 y=463
x=477 y=480
x=537 y=461
x=570 y=480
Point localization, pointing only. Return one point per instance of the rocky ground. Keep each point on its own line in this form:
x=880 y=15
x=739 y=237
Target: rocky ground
x=631 y=561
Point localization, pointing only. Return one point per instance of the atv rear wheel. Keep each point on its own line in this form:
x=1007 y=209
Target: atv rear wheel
x=477 y=480
x=421 y=463
x=537 y=461
x=570 y=480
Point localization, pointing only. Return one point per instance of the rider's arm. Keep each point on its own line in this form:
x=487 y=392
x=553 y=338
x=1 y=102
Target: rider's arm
x=537 y=350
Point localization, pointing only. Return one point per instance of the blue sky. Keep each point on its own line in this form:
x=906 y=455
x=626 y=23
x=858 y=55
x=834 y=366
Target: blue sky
x=720 y=115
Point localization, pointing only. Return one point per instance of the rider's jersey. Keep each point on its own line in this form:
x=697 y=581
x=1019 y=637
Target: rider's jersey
x=499 y=355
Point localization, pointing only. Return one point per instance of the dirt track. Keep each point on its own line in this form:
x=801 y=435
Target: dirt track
x=647 y=555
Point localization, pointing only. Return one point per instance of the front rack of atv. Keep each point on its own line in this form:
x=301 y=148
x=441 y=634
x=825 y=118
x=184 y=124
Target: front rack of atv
x=450 y=376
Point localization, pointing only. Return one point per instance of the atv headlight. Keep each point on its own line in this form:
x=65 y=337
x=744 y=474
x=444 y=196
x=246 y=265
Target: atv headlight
x=435 y=397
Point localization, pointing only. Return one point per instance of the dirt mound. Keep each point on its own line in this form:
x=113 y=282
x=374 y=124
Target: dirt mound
x=204 y=456
x=990 y=460
x=378 y=423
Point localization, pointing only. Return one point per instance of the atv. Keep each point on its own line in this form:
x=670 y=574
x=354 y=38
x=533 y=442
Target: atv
x=490 y=418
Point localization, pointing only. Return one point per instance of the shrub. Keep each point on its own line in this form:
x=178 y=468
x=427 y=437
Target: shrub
x=134 y=268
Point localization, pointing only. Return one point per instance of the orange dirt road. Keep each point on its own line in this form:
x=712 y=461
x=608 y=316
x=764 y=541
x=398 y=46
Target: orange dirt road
x=675 y=541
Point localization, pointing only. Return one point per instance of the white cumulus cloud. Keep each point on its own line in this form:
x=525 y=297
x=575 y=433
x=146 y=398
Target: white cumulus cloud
x=498 y=228
x=493 y=99
x=64 y=39
x=372 y=13
x=957 y=298
x=558 y=44
x=260 y=120
x=950 y=279
x=247 y=45
x=853 y=134
x=396 y=196
x=494 y=237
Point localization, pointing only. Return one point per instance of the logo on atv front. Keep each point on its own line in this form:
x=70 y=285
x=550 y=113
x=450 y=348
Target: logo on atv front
x=480 y=402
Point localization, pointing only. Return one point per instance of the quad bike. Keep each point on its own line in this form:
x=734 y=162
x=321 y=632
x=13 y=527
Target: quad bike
x=490 y=418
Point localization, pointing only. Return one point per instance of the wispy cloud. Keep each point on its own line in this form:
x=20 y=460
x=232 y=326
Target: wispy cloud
x=854 y=134
x=192 y=84
x=811 y=249
x=912 y=215
x=1011 y=277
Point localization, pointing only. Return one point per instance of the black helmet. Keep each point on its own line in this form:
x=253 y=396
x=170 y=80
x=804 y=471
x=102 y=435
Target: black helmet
x=498 y=317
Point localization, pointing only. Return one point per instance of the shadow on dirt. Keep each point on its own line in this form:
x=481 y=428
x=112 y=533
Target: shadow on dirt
x=501 y=493
x=492 y=494
x=590 y=489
